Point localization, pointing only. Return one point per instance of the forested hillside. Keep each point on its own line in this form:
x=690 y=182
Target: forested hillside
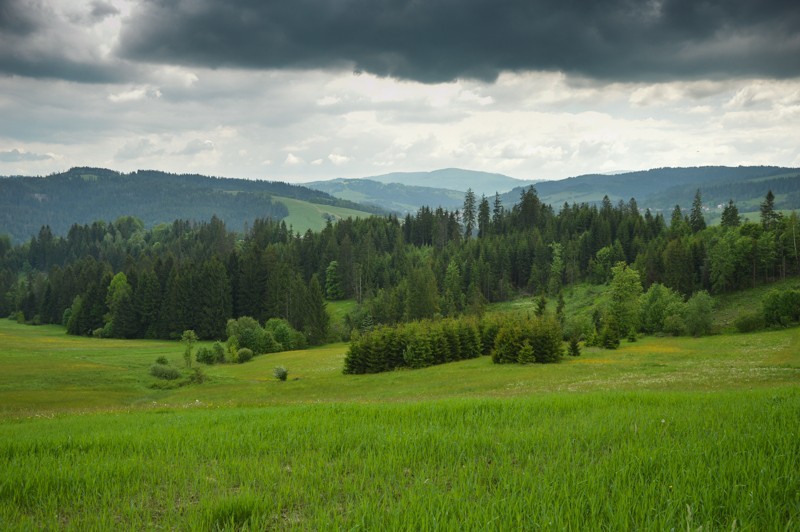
x=658 y=189
x=663 y=188
x=84 y=195
x=121 y=279
x=393 y=197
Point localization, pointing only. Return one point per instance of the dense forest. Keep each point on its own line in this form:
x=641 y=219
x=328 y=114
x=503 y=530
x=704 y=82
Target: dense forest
x=84 y=195
x=120 y=279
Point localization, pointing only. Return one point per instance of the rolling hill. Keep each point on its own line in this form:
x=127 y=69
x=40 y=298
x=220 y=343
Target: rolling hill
x=394 y=197
x=663 y=188
x=84 y=195
x=659 y=189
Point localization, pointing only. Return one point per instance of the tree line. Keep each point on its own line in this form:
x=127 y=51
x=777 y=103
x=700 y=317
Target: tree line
x=122 y=280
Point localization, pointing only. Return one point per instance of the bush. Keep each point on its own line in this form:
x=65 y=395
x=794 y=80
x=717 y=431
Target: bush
x=243 y=355
x=161 y=371
x=526 y=353
x=280 y=373
x=249 y=334
x=204 y=355
x=781 y=307
x=219 y=352
x=507 y=344
x=198 y=376
x=700 y=314
x=749 y=322
x=162 y=360
x=674 y=325
x=574 y=349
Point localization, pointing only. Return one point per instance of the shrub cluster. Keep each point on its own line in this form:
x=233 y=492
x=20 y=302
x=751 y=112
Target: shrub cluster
x=525 y=341
x=781 y=307
x=416 y=345
x=247 y=338
x=428 y=343
x=213 y=355
x=162 y=371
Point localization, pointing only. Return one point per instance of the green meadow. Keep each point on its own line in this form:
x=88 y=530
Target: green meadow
x=663 y=433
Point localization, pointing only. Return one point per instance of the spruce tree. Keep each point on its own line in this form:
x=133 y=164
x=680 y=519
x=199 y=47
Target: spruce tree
x=769 y=217
x=730 y=215
x=468 y=214
x=696 y=220
x=483 y=217
x=333 y=282
x=317 y=320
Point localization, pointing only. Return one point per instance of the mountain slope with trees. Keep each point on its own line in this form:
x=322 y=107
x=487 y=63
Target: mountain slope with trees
x=392 y=197
x=658 y=189
x=663 y=188
x=84 y=195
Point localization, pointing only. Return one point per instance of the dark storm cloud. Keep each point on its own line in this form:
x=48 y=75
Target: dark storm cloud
x=439 y=40
x=100 y=10
x=36 y=42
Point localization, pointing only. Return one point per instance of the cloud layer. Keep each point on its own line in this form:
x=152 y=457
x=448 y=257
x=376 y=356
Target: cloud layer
x=436 y=41
x=315 y=89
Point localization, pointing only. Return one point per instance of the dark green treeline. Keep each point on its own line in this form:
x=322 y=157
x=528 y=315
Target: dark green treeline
x=120 y=280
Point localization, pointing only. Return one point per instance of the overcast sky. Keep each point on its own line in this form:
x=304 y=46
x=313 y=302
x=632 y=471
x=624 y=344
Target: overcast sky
x=314 y=89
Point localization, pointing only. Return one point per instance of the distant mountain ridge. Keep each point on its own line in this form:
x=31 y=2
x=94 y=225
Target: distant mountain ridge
x=657 y=189
x=455 y=179
x=393 y=197
x=404 y=192
x=84 y=195
x=663 y=188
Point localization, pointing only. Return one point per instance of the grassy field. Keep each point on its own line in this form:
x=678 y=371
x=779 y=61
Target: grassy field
x=304 y=215
x=663 y=433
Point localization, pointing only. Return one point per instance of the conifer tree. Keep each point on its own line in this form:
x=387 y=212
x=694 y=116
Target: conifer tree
x=730 y=215
x=483 y=217
x=468 y=213
x=696 y=220
x=769 y=216
x=317 y=320
x=333 y=282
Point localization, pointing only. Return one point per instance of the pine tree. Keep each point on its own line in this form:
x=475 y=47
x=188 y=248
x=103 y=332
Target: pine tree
x=333 y=282
x=730 y=215
x=526 y=353
x=422 y=296
x=497 y=214
x=574 y=349
x=213 y=300
x=677 y=223
x=483 y=217
x=769 y=216
x=696 y=220
x=317 y=320
x=468 y=213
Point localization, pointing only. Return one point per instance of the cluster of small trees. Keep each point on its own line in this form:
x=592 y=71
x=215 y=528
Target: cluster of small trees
x=779 y=308
x=526 y=341
x=247 y=338
x=431 y=342
x=416 y=345
x=660 y=310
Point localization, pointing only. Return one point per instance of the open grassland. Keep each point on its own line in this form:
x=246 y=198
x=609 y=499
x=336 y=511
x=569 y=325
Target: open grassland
x=45 y=371
x=614 y=460
x=663 y=433
x=304 y=215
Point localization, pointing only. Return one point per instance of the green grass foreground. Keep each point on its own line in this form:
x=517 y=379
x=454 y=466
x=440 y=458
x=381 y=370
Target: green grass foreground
x=663 y=433
x=616 y=460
